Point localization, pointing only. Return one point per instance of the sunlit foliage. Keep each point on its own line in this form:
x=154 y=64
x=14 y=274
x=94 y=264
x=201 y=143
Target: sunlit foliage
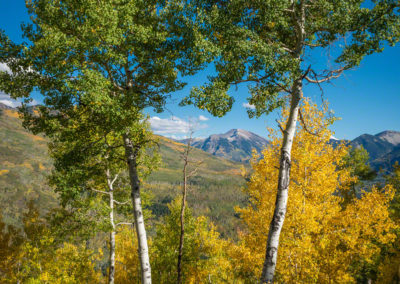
x=204 y=259
x=35 y=256
x=321 y=241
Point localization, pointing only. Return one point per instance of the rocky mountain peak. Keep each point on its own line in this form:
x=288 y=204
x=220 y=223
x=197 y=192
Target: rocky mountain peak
x=391 y=136
x=236 y=134
x=236 y=144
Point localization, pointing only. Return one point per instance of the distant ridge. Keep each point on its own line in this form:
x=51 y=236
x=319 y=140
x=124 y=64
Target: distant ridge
x=4 y=106
x=383 y=148
x=236 y=144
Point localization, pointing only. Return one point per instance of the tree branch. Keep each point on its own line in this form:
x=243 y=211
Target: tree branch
x=280 y=126
x=123 y=223
x=115 y=178
x=100 y=191
x=121 y=203
x=305 y=126
x=119 y=88
x=333 y=74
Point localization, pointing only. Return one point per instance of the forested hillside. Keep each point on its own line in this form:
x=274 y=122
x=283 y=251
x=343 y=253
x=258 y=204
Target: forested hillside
x=24 y=163
x=215 y=189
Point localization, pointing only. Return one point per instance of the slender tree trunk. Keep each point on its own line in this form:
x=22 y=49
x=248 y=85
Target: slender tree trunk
x=111 y=273
x=131 y=156
x=278 y=218
x=184 y=191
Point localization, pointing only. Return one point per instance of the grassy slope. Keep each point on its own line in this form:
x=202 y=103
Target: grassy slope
x=24 y=163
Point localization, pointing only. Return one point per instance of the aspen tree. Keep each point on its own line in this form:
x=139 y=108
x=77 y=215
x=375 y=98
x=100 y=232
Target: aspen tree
x=114 y=57
x=274 y=47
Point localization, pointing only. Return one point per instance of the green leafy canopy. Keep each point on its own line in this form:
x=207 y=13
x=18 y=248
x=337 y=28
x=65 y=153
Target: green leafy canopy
x=271 y=44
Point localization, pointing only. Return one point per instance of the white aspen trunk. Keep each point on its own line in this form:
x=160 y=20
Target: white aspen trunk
x=131 y=156
x=111 y=273
x=278 y=218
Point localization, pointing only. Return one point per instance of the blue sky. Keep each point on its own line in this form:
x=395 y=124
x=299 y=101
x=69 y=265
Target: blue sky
x=366 y=99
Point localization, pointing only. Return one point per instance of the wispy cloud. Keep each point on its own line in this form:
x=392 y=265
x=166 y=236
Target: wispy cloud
x=5 y=99
x=203 y=118
x=8 y=101
x=4 y=67
x=247 y=105
x=173 y=126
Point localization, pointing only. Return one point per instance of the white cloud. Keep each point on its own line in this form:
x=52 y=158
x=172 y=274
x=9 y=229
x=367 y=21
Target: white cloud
x=4 y=67
x=247 y=105
x=5 y=99
x=203 y=118
x=177 y=137
x=8 y=101
x=333 y=138
x=172 y=127
x=168 y=125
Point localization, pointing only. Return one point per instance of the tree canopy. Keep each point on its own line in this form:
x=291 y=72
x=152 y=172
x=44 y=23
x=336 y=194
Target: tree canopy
x=271 y=44
x=322 y=241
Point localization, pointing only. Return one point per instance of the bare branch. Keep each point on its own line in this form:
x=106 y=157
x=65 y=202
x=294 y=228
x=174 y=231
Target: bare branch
x=100 y=191
x=286 y=49
x=123 y=223
x=194 y=171
x=333 y=74
x=305 y=126
x=280 y=126
x=115 y=178
x=307 y=71
x=121 y=203
x=280 y=86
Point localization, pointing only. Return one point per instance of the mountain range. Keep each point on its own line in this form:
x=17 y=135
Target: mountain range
x=237 y=145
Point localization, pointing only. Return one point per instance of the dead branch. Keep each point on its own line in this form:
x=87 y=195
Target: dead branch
x=121 y=203
x=333 y=74
x=305 y=126
x=123 y=223
x=100 y=191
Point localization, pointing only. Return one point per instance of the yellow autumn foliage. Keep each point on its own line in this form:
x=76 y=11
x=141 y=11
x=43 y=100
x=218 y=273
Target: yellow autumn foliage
x=204 y=252
x=127 y=266
x=34 y=256
x=67 y=264
x=11 y=113
x=322 y=239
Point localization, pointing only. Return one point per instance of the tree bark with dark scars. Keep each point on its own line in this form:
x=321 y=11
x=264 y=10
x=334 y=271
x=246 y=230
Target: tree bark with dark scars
x=278 y=218
x=131 y=156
